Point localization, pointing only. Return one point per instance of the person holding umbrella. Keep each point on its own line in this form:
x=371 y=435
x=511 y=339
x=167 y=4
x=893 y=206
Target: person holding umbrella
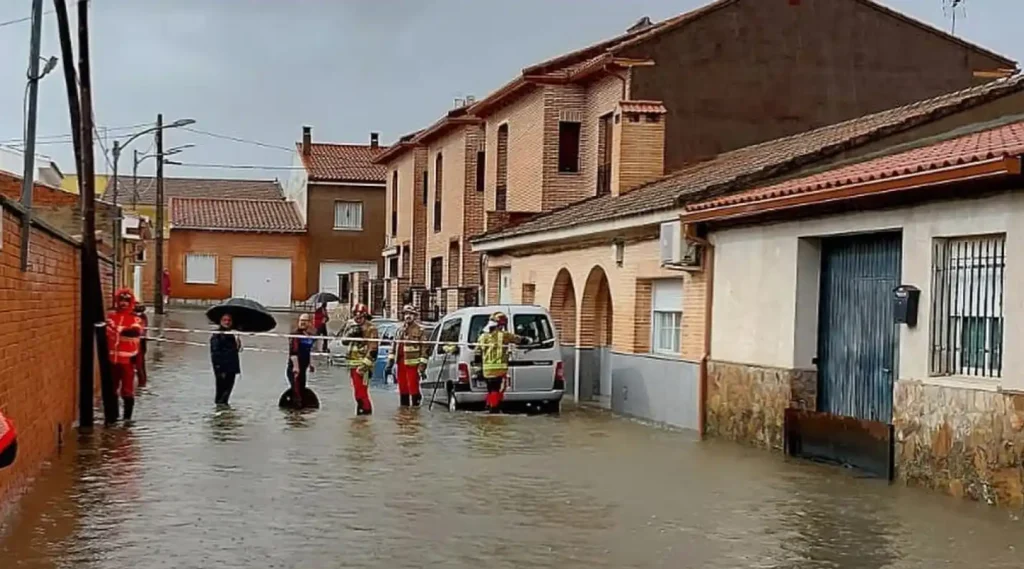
x=224 y=349
x=360 y=336
x=320 y=320
x=124 y=336
x=8 y=442
x=408 y=351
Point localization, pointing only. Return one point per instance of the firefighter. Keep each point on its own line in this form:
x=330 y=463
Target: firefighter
x=408 y=351
x=124 y=336
x=140 y=360
x=360 y=336
x=8 y=442
x=493 y=348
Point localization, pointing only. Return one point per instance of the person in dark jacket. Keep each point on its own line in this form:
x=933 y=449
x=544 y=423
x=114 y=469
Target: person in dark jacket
x=224 y=348
x=140 y=359
x=300 y=362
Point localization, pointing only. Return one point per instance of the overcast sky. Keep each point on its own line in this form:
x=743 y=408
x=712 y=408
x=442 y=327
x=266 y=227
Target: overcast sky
x=260 y=69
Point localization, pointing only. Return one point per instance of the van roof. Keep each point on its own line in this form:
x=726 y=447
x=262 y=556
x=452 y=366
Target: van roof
x=492 y=308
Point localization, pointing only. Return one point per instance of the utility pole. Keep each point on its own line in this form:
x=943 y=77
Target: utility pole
x=135 y=180
x=116 y=230
x=27 y=181
x=159 y=280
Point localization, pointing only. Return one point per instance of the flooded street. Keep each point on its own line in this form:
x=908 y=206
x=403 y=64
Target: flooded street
x=255 y=486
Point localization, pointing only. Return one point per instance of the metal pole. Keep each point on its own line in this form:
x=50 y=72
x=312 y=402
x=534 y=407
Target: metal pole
x=159 y=280
x=116 y=239
x=27 y=182
x=135 y=179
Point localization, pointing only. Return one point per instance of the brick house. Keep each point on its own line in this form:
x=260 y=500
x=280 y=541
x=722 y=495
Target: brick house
x=806 y=339
x=138 y=197
x=627 y=282
x=223 y=248
x=340 y=195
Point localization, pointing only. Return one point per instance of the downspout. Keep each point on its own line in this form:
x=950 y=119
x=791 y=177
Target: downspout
x=481 y=293
x=709 y=296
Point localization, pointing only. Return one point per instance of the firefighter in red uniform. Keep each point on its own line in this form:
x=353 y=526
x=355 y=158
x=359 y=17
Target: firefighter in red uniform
x=360 y=336
x=408 y=352
x=124 y=336
x=8 y=442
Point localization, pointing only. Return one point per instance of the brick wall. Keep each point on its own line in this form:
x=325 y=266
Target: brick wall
x=453 y=148
x=225 y=245
x=573 y=277
x=38 y=388
x=472 y=207
x=566 y=102
x=638 y=151
x=525 y=118
x=602 y=98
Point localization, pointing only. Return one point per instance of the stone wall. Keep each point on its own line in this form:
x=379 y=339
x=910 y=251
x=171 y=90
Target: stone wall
x=964 y=442
x=747 y=403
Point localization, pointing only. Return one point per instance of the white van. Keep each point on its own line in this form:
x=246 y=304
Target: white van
x=535 y=369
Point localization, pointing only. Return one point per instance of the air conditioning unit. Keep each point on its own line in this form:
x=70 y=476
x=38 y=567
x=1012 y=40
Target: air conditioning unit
x=678 y=252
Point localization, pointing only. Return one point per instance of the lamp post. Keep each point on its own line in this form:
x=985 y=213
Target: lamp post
x=118 y=148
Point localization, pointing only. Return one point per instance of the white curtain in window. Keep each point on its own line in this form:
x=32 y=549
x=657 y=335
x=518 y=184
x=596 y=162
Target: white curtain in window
x=200 y=268
x=348 y=215
x=667 y=316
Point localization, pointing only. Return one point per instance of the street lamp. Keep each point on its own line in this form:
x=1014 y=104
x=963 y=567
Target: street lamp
x=118 y=147
x=136 y=160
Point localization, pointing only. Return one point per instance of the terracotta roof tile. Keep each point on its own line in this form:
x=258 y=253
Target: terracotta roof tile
x=646 y=107
x=343 y=162
x=193 y=188
x=1001 y=142
x=269 y=216
x=739 y=169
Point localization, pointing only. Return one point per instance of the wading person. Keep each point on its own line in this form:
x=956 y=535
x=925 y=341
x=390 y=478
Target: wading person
x=8 y=442
x=493 y=348
x=408 y=353
x=300 y=352
x=124 y=335
x=360 y=336
x=140 y=359
x=320 y=320
x=224 y=348
x=165 y=286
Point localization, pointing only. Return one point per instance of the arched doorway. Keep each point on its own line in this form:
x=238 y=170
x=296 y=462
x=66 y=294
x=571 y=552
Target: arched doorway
x=563 y=311
x=595 y=337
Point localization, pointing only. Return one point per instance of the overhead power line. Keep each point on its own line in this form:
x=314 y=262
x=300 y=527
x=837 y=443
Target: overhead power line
x=236 y=139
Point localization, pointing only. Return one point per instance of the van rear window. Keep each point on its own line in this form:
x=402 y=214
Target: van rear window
x=536 y=327
x=476 y=327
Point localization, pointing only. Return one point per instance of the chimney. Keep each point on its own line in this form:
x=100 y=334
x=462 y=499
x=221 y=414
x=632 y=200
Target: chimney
x=374 y=139
x=470 y=99
x=638 y=150
x=307 y=139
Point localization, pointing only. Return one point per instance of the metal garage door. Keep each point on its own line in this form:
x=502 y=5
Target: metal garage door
x=266 y=280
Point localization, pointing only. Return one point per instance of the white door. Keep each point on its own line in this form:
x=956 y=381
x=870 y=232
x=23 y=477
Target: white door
x=267 y=280
x=505 y=286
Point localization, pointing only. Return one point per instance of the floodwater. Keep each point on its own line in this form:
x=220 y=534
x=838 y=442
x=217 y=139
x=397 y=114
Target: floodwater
x=257 y=487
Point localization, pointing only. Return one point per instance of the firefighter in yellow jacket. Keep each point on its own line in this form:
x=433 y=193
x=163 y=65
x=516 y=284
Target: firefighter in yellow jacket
x=494 y=347
x=360 y=335
x=408 y=351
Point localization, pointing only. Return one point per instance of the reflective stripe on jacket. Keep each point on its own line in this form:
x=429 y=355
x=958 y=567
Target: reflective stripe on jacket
x=494 y=352
x=124 y=347
x=412 y=354
x=360 y=352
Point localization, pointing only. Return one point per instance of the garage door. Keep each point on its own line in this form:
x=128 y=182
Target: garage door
x=266 y=280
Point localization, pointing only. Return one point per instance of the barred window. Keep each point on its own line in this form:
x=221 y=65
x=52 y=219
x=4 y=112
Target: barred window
x=967 y=306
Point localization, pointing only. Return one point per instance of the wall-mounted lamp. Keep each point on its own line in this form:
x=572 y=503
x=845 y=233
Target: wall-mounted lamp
x=619 y=250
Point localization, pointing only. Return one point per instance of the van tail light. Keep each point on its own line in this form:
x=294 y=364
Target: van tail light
x=559 y=376
x=463 y=372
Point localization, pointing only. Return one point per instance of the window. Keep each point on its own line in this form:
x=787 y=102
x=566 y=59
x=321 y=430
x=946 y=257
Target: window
x=394 y=203
x=393 y=267
x=200 y=268
x=438 y=181
x=453 y=263
x=967 y=306
x=426 y=184
x=666 y=316
x=604 y=155
x=450 y=331
x=348 y=215
x=501 y=194
x=535 y=327
x=433 y=339
x=481 y=169
x=476 y=327
x=436 y=268
x=568 y=147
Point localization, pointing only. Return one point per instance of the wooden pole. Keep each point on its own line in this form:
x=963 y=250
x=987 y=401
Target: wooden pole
x=159 y=299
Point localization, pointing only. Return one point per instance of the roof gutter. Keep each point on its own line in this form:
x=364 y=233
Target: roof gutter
x=497 y=243
x=958 y=173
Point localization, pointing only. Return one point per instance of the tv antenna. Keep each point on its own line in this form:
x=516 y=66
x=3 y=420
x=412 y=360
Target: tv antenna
x=954 y=9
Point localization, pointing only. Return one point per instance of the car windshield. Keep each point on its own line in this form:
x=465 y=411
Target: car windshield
x=476 y=327
x=535 y=327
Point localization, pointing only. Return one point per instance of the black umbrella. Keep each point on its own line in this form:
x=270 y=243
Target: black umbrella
x=246 y=315
x=322 y=297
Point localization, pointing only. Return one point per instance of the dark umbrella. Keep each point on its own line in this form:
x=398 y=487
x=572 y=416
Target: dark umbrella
x=246 y=315
x=322 y=297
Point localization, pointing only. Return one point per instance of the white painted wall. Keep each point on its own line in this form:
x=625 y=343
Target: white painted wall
x=296 y=188
x=759 y=283
x=329 y=272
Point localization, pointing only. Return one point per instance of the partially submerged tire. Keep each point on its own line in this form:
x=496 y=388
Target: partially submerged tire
x=309 y=400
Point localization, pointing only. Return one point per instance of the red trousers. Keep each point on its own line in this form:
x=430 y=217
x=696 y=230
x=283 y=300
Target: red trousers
x=494 y=393
x=124 y=378
x=408 y=379
x=361 y=390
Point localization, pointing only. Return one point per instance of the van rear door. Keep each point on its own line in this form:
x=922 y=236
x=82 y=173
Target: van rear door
x=532 y=367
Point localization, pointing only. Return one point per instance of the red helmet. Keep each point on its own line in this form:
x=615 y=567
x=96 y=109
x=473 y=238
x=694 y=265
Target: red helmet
x=360 y=308
x=499 y=318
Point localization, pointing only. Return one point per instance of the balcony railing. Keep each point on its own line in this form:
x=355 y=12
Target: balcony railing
x=604 y=179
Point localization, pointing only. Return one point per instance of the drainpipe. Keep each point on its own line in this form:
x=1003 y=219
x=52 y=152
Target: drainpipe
x=481 y=293
x=709 y=296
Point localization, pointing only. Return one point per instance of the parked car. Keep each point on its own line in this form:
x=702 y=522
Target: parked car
x=536 y=376
x=340 y=351
x=388 y=331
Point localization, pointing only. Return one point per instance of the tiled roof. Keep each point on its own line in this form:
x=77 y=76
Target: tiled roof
x=193 y=188
x=987 y=145
x=646 y=107
x=343 y=162
x=271 y=216
x=738 y=169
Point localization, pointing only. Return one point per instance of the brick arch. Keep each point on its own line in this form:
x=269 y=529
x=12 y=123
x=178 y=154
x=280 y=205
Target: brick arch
x=563 y=307
x=596 y=311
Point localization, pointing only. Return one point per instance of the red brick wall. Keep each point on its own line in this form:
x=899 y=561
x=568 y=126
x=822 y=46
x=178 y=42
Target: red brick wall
x=38 y=388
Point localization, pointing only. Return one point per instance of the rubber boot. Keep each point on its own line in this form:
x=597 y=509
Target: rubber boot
x=129 y=408
x=403 y=400
x=416 y=399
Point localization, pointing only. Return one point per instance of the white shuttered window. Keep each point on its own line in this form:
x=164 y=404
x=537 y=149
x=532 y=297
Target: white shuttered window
x=200 y=268
x=348 y=215
x=666 y=316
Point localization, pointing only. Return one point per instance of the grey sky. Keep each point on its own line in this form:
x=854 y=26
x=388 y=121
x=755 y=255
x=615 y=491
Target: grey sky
x=260 y=69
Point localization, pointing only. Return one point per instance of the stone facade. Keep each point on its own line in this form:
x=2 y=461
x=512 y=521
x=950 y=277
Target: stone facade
x=747 y=404
x=964 y=442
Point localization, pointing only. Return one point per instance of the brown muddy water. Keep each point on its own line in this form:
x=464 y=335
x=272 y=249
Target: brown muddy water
x=255 y=487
